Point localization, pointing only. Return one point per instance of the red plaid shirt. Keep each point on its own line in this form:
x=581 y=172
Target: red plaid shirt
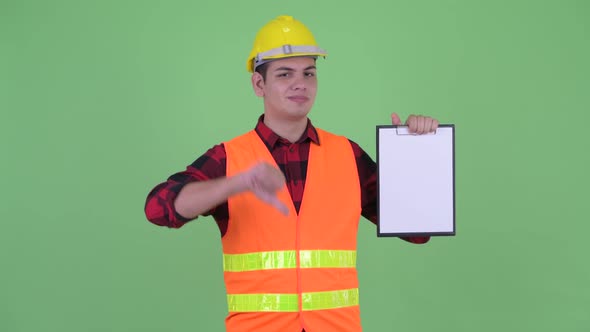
x=292 y=159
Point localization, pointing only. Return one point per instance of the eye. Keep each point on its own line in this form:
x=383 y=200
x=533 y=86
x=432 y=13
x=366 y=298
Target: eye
x=286 y=74
x=310 y=74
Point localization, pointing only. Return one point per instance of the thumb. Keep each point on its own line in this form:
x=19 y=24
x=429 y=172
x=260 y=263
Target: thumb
x=276 y=202
x=273 y=200
x=395 y=120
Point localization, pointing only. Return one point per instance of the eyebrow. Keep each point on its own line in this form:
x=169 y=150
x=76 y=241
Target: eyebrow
x=291 y=69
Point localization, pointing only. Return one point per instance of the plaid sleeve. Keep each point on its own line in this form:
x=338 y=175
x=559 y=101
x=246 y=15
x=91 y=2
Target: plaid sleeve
x=159 y=205
x=367 y=169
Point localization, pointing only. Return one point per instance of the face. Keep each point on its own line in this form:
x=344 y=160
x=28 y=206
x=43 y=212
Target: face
x=289 y=89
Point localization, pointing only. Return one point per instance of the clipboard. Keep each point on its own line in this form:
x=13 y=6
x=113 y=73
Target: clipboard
x=415 y=182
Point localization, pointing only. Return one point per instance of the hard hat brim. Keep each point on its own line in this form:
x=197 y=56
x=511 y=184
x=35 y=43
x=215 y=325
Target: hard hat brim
x=271 y=59
x=286 y=51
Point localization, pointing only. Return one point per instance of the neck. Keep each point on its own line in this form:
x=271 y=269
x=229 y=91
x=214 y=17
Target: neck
x=290 y=130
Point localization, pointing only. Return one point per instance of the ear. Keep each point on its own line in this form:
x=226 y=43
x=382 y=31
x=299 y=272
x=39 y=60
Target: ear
x=258 y=84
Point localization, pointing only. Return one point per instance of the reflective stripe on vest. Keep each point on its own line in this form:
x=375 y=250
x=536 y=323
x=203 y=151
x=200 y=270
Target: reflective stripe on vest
x=289 y=303
x=286 y=260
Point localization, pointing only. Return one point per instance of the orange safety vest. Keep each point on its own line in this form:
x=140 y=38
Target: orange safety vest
x=286 y=273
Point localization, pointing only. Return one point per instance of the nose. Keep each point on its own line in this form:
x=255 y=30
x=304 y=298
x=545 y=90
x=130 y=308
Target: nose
x=299 y=83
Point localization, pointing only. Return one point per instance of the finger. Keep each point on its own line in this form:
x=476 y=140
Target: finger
x=427 y=125
x=420 y=125
x=264 y=196
x=411 y=123
x=269 y=179
x=275 y=181
x=283 y=209
x=395 y=120
x=434 y=125
x=279 y=205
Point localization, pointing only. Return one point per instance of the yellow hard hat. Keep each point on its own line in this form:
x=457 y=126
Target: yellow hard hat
x=280 y=38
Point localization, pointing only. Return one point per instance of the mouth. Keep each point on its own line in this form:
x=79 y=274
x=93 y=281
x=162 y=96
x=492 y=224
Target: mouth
x=298 y=99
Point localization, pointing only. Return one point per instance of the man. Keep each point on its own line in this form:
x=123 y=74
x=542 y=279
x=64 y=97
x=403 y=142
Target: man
x=287 y=198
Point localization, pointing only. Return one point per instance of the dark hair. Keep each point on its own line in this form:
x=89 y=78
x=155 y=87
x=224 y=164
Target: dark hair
x=262 y=70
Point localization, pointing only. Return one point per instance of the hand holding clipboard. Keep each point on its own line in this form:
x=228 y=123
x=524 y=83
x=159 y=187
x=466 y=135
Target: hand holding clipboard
x=417 y=124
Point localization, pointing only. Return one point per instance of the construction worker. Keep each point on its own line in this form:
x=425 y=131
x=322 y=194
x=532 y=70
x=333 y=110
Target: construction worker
x=287 y=198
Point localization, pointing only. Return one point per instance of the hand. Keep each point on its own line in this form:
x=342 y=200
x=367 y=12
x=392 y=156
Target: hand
x=265 y=180
x=417 y=124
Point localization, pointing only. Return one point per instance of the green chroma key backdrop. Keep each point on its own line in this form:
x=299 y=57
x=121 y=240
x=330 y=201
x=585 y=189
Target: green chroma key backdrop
x=102 y=100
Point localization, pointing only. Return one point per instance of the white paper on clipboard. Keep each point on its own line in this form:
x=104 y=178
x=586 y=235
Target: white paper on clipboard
x=416 y=182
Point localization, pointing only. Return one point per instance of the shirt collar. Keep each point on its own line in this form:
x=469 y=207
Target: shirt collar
x=270 y=138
